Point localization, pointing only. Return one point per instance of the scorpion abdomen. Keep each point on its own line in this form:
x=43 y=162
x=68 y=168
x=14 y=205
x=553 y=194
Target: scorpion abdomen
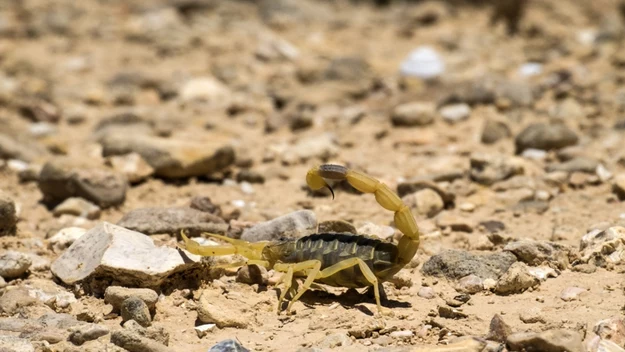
x=332 y=248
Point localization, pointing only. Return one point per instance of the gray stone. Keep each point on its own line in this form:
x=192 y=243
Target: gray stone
x=519 y=94
x=494 y=130
x=14 y=264
x=580 y=164
x=413 y=114
x=490 y=168
x=116 y=295
x=455 y=264
x=228 y=346
x=77 y=207
x=63 y=178
x=133 y=308
x=171 y=158
x=87 y=332
x=336 y=226
x=172 y=220
x=129 y=257
x=293 y=225
x=8 y=216
x=557 y=340
x=538 y=252
x=516 y=280
x=134 y=342
x=545 y=137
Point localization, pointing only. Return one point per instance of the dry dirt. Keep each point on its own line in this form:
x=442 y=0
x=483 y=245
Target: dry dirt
x=65 y=52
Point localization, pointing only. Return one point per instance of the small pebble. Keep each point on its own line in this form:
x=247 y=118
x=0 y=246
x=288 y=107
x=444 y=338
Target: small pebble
x=134 y=308
x=572 y=293
x=427 y=293
x=203 y=330
x=14 y=264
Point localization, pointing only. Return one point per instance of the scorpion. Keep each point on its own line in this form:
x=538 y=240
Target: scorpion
x=333 y=259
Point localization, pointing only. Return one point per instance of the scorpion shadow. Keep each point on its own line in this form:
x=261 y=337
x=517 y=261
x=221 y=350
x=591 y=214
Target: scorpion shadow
x=349 y=299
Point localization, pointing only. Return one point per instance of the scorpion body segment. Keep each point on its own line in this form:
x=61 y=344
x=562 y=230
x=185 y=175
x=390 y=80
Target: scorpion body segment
x=335 y=259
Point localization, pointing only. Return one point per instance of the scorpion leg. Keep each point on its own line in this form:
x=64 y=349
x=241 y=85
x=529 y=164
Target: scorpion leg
x=366 y=271
x=405 y=222
x=287 y=278
x=312 y=265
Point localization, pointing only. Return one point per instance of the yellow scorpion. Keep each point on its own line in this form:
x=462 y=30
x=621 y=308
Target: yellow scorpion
x=334 y=259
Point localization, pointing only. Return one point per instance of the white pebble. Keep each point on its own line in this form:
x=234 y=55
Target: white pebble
x=402 y=334
x=247 y=188
x=423 y=62
x=239 y=203
x=202 y=330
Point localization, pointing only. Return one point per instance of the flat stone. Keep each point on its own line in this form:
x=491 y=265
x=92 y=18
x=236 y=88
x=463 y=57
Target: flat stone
x=151 y=221
x=545 y=137
x=77 y=207
x=172 y=158
x=132 y=341
x=578 y=164
x=293 y=225
x=116 y=295
x=127 y=256
x=87 y=332
x=216 y=309
x=456 y=264
x=14 y=264
x=558 y=340
x=516 y=280
x=61 y=179
x=413 y=114
x=204 y=329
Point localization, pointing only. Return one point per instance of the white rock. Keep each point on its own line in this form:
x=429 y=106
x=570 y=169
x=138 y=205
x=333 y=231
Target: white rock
x=380 y=231
x=542 y=272
x=402 y=334
x=604 y=246
x=572 y=293
x=247 y=188
x=77 y=207
x=603 y=173
x=534 y=154
x=205 y=89
x=530 y=69
x=128 y=256
x=65 y=238
x=423 y=62
x=455 y=112
x=203 y=330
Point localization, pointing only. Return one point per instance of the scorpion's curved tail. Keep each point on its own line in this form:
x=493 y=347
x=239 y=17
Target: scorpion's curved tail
x=405 y=222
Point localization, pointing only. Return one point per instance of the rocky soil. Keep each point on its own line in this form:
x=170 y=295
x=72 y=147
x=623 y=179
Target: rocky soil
x=123 y=123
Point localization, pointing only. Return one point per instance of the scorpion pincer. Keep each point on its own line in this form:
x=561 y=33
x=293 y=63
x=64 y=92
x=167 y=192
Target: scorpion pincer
x=334 y=259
